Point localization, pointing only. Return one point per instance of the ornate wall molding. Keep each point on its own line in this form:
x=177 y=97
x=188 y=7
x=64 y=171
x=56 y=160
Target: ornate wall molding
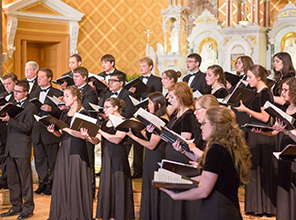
x=11 y=31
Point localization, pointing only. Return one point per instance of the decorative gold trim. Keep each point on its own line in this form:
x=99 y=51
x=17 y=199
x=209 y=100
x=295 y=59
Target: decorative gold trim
x=226 y=40
x=253 y=39
x=208 y=40
x=287 y=37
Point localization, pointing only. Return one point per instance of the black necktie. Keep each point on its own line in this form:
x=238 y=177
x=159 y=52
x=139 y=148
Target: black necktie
x=114 y=93
x=19 y=103
x=31 y=81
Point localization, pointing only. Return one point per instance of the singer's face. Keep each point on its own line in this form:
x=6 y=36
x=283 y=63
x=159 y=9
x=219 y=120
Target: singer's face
x=107 y=66
x=173 y=100
x=206 y=128
x=286 y=92
x=8 y=84
x=211 y=78
x=239 y=66
x=199 y=112
x=278 y=64
x=166 y=81
x=252 y=79
x=69 y=99
x=150 y=106
x=43 y=81
x=108 y=109
x=30 y=73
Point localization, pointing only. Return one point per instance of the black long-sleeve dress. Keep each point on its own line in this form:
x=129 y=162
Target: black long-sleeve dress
x=150 y=198
x=115 y=197
x=71 y=191
x=286 y=187
x=169 y=208
x=260 y=194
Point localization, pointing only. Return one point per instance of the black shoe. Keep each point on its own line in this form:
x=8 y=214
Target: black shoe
x=136 y=175
x=9 y=213
x=41 y=188
x=3 y=184
x=25 y=215
x=47 y=190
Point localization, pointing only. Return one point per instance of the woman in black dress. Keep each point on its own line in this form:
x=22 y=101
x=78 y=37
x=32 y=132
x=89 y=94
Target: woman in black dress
x=286 y=187
x=283 y=68
x=182 y=122
x=225 y=162
x=154 y=153
x=260 y=194
x=71 y=191
x=169 y=77
x=115 y=197
x=215 y=77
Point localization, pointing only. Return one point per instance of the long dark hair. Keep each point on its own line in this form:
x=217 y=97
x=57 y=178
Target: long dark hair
x=288 y=68
x=159 y=103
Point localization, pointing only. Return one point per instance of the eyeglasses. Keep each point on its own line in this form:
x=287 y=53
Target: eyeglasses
x=106 y=107
x=114 y=80
x=198 y=108
x=205 y=122
x=190 y=61
x=17 y=91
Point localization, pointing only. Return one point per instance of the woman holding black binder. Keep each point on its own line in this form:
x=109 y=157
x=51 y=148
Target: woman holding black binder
x=260 y=194
x=154 y=153
x=115 y=197
x=71 y=191
x=225 y=162
x=182 y=122
x=286 y=187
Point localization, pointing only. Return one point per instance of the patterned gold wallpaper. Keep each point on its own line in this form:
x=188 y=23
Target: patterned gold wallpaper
x=117 y=27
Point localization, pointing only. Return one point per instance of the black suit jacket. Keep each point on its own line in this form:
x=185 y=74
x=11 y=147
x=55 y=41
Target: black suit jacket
x=154 y=84
x=35 y=86
x=3 y=126
x=129 y=108
x=41 y=135
x=89 y=95
x=199 y=83
x=19 y=130
x=2 y=88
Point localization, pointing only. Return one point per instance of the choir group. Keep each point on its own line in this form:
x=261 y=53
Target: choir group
x=225 y=154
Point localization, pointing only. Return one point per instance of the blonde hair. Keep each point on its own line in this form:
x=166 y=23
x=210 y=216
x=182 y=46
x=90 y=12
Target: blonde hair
x=207 y=101
x=226 y=133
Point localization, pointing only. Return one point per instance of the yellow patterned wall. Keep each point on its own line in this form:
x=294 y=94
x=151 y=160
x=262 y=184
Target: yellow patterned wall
x=112 y=26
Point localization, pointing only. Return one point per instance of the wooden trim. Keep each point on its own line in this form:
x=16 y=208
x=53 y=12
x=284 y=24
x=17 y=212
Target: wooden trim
x=63 y=53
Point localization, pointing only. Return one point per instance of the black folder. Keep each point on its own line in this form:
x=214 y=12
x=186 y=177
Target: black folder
x=36 y=102
x=138 y=84
x=96 y=82
x=11 y=110
x=63 y=79
x=262 y=127
x=48 y=120
x=239 y=93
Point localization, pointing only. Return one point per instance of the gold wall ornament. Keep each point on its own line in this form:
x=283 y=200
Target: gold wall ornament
x=208 y=40
x=253 y=39
x=226 y=40
x=288 y=40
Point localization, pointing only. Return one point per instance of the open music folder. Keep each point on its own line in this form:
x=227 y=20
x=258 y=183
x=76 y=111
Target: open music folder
x=288 y=153
x=170 y=175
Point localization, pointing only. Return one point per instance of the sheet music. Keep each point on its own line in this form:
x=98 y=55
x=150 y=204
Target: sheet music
x=163 y=175
x=150 y=117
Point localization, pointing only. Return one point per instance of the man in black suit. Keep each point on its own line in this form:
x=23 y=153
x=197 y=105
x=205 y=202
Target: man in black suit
x=196 y=79
x=18 y=154
x=108 y=65
x=116 y=90
x=9 y=81
x=45 y=144
x=31 y=70
x=74 y=62
x=154 y=84
x=89 y=95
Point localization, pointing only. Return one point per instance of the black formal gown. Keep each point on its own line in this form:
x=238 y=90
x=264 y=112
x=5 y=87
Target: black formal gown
x=71 y=190
x=260 y=194
x=169 y=208
x=115 y=197
x=286 y=188
x=150 y=198
x=222 y=203
x=221 y=93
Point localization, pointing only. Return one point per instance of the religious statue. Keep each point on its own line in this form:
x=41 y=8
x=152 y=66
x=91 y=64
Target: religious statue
x=209 y=56
x=174 y=39
x=290 y=48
